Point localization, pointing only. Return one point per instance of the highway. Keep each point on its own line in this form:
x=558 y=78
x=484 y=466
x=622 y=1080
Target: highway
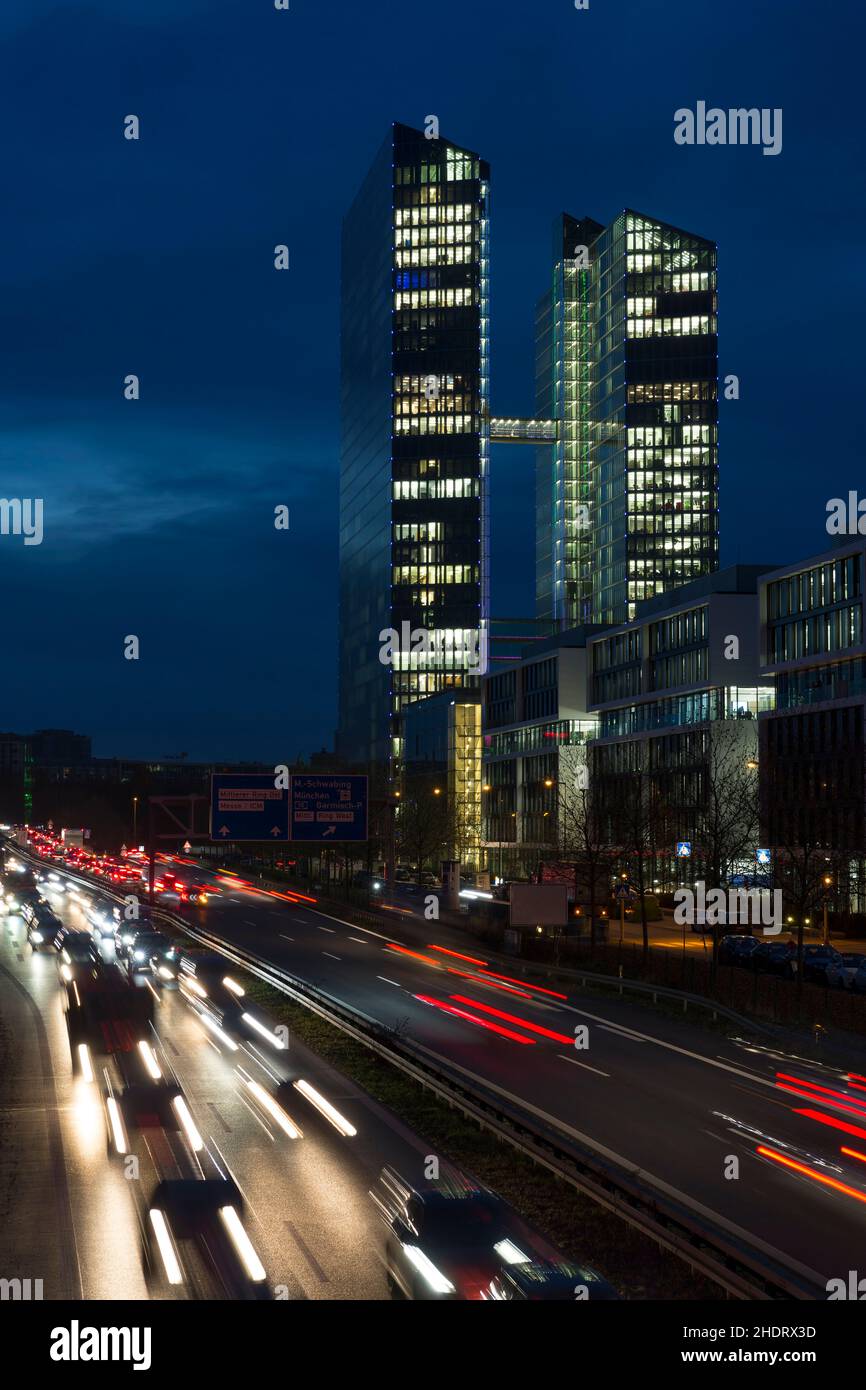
x=671 y=1098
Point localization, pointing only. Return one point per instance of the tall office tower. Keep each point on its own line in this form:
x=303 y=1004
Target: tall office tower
x=626 y=364
x=415 y=437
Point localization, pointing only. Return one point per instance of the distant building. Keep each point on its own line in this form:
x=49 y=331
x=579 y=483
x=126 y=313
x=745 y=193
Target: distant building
x=442 y=750
x=813 y=751
x=535 y=726
x=626 y=367
x=415 y=365
x=677 y=693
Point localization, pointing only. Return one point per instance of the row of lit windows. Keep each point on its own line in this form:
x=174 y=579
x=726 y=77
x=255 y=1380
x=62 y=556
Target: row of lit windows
x=671 y=391
x=446 y=212
x=693 y=455
x=430 y=299
x=815 y=588
x=446 y=403
x=828 y=632
x=693 y=325
x=435 y=424
x=419 y=531
x=436 y=255
x=691 y=282
x=458 y=234
x=657 y=504
x=640 y=481
x=436 y=489
x=435 y=574
x=665 y=434
x=453 y=170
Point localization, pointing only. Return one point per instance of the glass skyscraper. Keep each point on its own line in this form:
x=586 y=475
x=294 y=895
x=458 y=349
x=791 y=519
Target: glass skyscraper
x=415 y=437
x=626 y=364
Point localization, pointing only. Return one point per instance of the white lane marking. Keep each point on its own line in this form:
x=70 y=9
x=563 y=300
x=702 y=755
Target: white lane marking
x=683 y=1051
x=354 y=926
x=389 y=982
x=251 y=924
x=328 y=929
x=621 y=1032
x=286 y=938
x=574 y=1062
x=333 y=957
x=360 y=940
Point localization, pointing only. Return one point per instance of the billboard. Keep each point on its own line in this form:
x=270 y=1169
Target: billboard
x=538 y=904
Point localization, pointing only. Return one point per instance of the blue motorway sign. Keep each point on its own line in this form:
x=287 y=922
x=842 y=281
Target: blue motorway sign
x=763 y=856
x=684 y=849
x=328 y=806
x=247 y=806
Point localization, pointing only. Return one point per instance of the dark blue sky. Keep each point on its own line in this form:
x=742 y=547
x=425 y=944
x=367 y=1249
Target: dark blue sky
x=156 y=257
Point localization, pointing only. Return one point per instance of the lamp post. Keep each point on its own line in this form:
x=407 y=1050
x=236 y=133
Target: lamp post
x=135 y=821
x=828 y=884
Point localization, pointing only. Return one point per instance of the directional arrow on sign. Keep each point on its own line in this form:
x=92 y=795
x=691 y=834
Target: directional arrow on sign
x=276 y=830
x=330 y=830
x=224 y=830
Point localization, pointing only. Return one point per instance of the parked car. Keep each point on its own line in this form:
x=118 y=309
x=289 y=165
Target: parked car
x=816 y=960
x=775 y=958
x=841 y=974
x=737 y=950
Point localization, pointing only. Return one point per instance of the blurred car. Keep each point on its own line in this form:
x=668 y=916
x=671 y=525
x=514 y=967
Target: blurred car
x=841 y=974
x=816 y=960
x=146 y=947
x=546 y=1279
x=106 y=1016
x=45 y=931
x=441 y=1243
x=195 y=1242
x=102 y=922
x=428 y=880
x=165 y=963
x=78 y=956
x=196 y=893
x=126 y=930
x=737 y=950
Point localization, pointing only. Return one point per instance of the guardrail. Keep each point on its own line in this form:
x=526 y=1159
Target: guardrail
x=741 y=1271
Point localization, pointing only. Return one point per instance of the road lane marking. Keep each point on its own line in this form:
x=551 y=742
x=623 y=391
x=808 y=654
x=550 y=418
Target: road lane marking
x=307 y=1253
x=224 y=1122
x=286 y=938
x=621 y=1032
x=389 y=982
x=328 y=929
x=359 y=940
x=574 y=1062
x=332 y=956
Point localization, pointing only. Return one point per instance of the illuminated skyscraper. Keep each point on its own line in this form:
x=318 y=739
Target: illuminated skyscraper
x=626 y=364
x=415 y=436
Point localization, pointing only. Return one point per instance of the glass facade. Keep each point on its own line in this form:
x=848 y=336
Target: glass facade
x=415 y=417
x=627 y=363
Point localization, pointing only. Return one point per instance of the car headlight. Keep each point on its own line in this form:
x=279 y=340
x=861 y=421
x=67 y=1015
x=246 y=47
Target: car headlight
x=37 y=936
x=138 y=955
x=127 y=940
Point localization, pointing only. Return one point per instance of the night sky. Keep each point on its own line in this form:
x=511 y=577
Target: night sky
x=156 y=257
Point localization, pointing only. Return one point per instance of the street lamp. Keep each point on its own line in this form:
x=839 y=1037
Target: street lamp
x=135 y=820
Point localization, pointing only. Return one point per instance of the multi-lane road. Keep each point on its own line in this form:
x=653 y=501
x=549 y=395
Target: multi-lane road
x=742 y=1133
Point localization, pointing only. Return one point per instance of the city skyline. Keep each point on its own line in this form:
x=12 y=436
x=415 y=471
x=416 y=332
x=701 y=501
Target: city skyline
x=238 y=366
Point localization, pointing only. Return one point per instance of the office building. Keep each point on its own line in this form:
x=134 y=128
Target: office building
x=626 y=369
x=813 y=755
x=415 y=438
x=677 y=693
